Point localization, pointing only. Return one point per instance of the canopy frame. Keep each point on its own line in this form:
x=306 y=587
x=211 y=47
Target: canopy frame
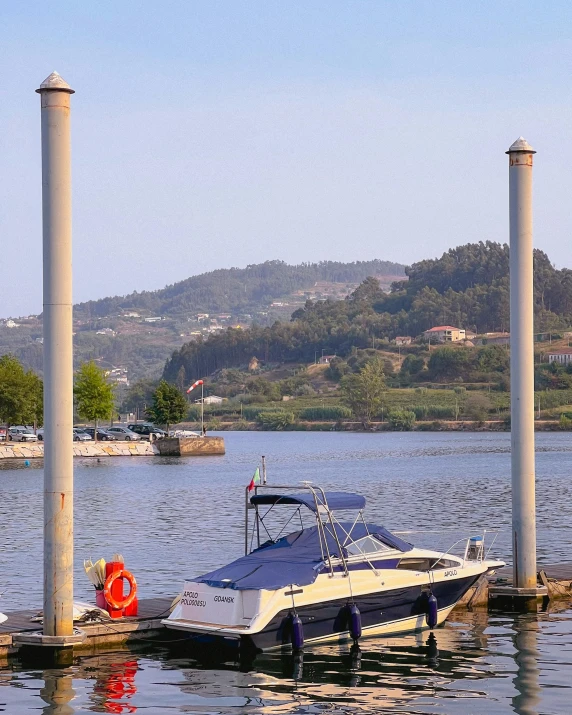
x=317 y=503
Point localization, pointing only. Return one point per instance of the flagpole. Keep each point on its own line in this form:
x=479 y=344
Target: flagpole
x=202 y=410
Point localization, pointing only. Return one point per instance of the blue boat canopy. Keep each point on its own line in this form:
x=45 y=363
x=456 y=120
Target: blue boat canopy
x=336 y=501
x=296 y=559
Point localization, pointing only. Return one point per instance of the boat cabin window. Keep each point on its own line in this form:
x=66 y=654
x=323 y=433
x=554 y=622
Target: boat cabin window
x=368 y=545
x=424 y=564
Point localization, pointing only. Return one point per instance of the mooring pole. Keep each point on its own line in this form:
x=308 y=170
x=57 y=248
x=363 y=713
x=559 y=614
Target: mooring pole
x=520 y=157
x=58 y=357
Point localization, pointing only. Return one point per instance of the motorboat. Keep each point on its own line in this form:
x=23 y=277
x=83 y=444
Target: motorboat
x=335 y=579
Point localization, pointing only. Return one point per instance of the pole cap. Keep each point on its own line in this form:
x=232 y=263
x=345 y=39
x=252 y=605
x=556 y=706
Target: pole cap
x=521 y=145
x=55 y=82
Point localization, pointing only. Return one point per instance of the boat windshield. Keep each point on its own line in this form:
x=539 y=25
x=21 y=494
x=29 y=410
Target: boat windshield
x=368 y=545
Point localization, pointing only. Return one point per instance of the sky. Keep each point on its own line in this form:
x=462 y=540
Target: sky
x=219 y=133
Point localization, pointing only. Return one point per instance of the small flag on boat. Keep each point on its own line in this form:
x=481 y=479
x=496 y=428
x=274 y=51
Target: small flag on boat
x=195 y=384
x=255 y=480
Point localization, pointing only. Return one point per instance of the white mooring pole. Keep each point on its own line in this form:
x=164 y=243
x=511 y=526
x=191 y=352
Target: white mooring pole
x=520 y=157
x=58 y=357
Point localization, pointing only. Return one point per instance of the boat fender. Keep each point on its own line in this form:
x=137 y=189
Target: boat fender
x=431 y=615
x=355 y=621
x=296 y=632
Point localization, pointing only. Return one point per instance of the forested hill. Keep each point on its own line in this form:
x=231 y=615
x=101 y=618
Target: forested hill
x=468 y=287
x=236 y=290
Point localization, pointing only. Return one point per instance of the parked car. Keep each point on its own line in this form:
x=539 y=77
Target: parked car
x=124 y=433
x=2 y=434
x=102 y=434
x=146 y=429
x=80 y=435
x=22 y=434
x=40 y=434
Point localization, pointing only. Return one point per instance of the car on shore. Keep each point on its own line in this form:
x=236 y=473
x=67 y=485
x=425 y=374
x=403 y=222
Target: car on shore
x=80 y=435
x=124 y=433
x=22 y=434
x=103 y=435
x=146 y=430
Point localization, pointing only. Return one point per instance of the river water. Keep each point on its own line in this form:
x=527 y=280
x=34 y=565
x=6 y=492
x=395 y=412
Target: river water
x=176 y=518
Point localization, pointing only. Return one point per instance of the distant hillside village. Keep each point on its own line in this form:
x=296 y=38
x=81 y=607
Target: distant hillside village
x=132 y=337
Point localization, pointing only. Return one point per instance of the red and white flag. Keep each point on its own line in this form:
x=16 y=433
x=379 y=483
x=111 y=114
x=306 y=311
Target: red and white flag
x=195 y=384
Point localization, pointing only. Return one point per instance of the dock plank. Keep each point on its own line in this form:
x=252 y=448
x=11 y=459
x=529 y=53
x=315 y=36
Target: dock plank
x=149 y=609
x=560 y=572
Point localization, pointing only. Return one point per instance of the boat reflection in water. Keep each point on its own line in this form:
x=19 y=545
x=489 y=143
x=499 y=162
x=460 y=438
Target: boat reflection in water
x=476 y=663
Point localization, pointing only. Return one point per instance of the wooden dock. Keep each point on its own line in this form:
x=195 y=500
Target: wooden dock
x=101 y=635
x=558 y=581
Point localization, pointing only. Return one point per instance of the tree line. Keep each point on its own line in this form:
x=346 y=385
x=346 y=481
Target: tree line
x=468 y=287
x=22 y=403
x=237 y=290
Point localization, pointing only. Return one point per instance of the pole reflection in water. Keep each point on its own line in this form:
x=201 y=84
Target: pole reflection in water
x=527 y=678
x=57 y=692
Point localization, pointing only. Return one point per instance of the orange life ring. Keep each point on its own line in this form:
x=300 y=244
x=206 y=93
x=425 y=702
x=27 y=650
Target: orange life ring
x=128 y=600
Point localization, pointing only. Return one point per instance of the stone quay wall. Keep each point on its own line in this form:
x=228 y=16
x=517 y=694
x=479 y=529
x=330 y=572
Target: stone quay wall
x=23 y=450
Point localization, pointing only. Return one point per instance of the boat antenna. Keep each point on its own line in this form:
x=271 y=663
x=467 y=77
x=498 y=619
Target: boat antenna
x=263 y=469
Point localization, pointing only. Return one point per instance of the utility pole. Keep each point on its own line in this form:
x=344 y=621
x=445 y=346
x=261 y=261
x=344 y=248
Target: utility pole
x=522 y=369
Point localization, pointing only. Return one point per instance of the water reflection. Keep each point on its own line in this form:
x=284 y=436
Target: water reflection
x=527 y=678
x=476 y=663
x=58 y=693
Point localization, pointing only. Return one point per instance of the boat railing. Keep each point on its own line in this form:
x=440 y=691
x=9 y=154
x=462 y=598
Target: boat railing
x=323 y=515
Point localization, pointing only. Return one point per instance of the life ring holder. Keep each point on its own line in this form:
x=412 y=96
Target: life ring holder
x=128 y=600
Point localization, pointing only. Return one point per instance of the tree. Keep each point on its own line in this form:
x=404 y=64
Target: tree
x=448 y=362
x=477 y=407
x=139 y=395
x=94 y=396
x=363 y=392
x=412 y=365
x=168 y=407
x=21 y=393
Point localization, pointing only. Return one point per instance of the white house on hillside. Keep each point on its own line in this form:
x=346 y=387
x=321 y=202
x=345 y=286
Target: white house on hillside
x=444 y=334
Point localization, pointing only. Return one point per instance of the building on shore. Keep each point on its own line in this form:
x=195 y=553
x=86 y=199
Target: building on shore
x=444 y=334
x=561 y=355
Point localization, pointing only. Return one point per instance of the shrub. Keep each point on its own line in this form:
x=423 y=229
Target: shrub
x=275 y=419
x=332 y=412
x=241 y=426
x=251 y=413
x=477 y=407
x=440 y=412
x=565 y=422
x=401 y=420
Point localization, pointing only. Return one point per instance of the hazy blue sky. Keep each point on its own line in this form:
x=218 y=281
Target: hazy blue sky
x=221 y=133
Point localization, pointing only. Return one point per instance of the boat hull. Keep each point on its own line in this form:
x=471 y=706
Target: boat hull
x=386 y=612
